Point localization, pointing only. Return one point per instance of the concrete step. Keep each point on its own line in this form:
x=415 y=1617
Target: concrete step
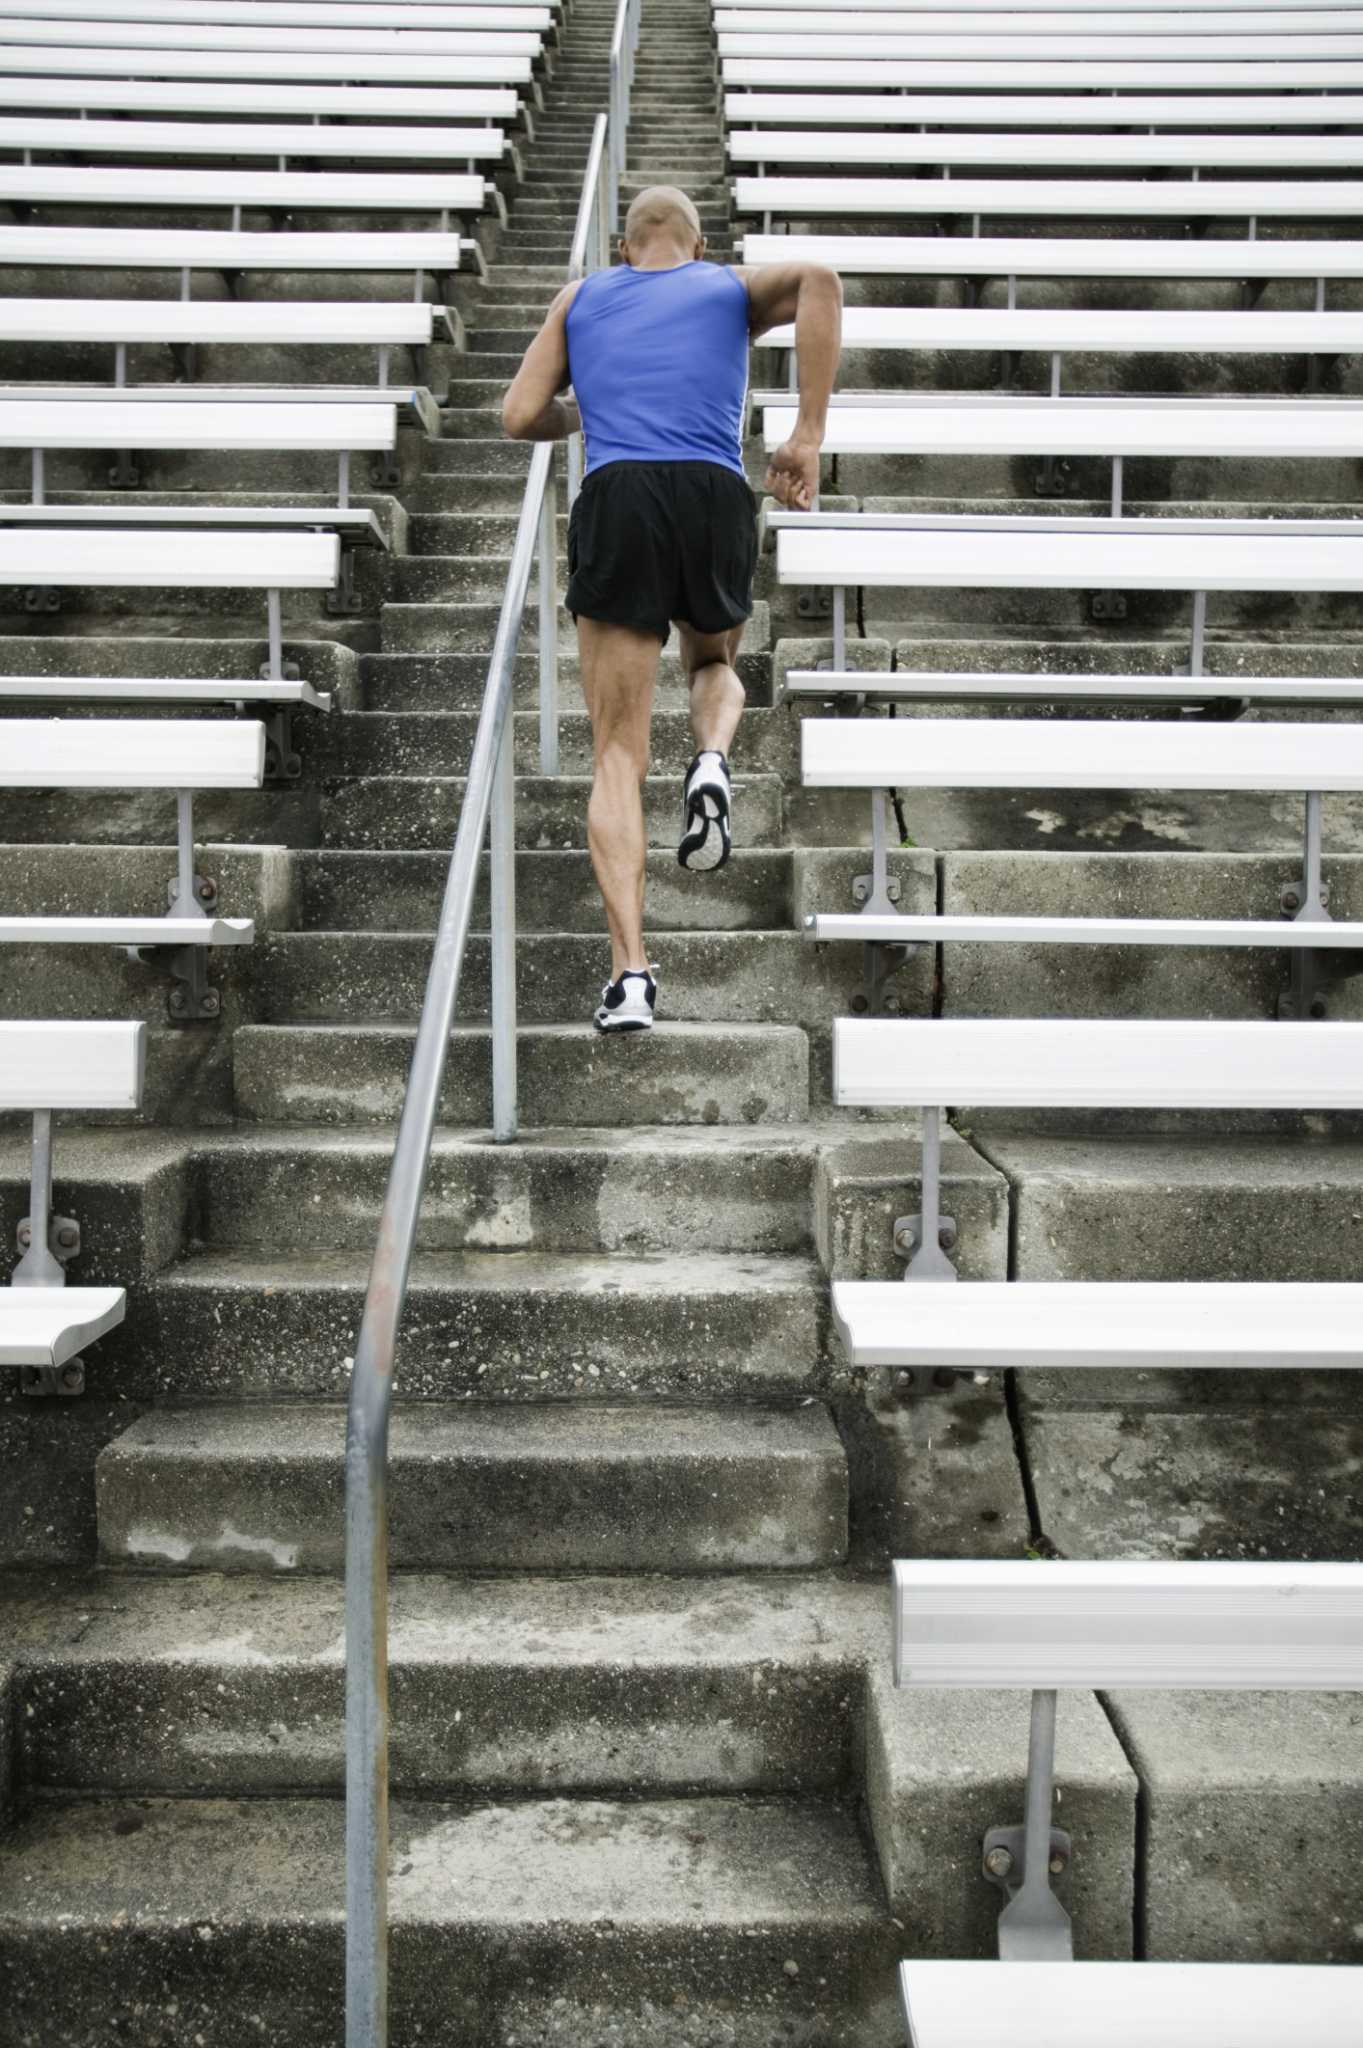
x=601 y=1685
x=726 y=977
x=440 y=742
x=564 y=1920
x=457 y=682
x=567 y=1486
x=416 y=812
x=690 y=1074
x=470 y=626
x=679 y=1326
x=645 y=1188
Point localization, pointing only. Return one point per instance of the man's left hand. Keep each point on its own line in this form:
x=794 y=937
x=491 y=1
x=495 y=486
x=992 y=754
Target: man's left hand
x=793 y=475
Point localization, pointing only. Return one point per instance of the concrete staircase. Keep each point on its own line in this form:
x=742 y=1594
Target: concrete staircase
x=649 y=1785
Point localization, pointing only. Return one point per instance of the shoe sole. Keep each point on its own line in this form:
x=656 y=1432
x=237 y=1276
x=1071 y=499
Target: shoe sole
x=697 y=852
x=614 y=1030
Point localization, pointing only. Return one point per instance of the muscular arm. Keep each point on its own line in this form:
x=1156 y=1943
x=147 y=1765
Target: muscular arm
x=811 y=296
x=533 y=409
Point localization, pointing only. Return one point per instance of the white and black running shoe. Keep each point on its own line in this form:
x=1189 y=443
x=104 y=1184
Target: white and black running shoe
x=627 y=1002
x=707 y=801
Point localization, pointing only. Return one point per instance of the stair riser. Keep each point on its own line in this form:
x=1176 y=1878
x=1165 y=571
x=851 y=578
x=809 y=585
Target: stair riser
x=364 y=745
x=399 y=814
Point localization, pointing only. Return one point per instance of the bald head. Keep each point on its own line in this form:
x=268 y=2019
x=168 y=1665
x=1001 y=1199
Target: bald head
x=662 y=224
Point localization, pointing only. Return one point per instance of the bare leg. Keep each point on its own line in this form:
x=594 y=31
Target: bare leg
x=717 y=695
x=619 y=670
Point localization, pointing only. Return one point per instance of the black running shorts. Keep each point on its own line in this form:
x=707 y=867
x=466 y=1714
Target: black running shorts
x=650 y=542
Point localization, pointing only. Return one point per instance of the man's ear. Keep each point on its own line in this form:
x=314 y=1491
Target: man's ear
x=625 y=256
x=699 y=256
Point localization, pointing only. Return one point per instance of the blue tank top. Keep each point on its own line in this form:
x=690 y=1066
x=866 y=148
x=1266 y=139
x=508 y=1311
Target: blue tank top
x=659 y=364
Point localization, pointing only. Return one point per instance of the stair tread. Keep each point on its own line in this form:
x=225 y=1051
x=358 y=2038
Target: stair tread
x=645 y=1275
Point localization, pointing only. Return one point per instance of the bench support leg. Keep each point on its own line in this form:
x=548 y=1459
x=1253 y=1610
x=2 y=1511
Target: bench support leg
x=1306 y=901
x=276 y=669
x=1033 y=1927
x=45 y=1243
x=925 y=1239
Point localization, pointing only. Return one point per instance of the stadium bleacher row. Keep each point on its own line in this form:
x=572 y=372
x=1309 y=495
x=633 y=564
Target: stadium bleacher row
x=985 y=1206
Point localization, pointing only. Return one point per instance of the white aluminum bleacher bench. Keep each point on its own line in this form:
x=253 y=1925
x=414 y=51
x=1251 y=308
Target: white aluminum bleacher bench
x=182 y=325
x=133 y=421
x=1041 y=1626
x=1051 y=75
x=304 y=67
x=44 y=1067
x=230 y=252
x=978 y=258
x=442 y=194
x=247 y=138
x=934 y=423
x=241 y=101
x=1096 y=21
x=1041 y=112
x=869 y=47
x=1066 y=330
x=178 y=755
x=1251 y=199
x=165 y=557
x=1211 y=8
x=511 y=14
x=987 y=149
x=855 y=687
x=1177 y=755
x=1066 y=1063
x=444 y=46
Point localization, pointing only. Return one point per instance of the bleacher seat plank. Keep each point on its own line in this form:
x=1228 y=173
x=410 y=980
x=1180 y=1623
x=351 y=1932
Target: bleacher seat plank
x=322 y=39
x=127 y=931
x=1098 y=21
x=1045 y=753
x=870 y=47
x=132 y=753
x=1109 y=198
x=52 y=1064
x=1079 y=152
x=239 y=100
x=226 y=249
x=350 y=526
x=1280 y=74
x=1127 y=2005
x=187 y=690
x=1067 y=330
x=354 y=191
x=413 y=399
x=47 y=1326
x=1201 y=1325
x=1050 y=256
x=319 y=323
x=152 y=559
x=389 y=14
x=1013 y=686
x=1211 y=8
x=1161 y=1624
x=1222 y=428
x=248 y=138
x=1039 y=112
x=864 y=928
x=306 y=66
x=1018 y=557
x=1066 y=1063
x=132 y=422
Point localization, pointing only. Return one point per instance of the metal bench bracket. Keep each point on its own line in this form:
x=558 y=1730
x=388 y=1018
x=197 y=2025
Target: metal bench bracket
x=925 y=1238
x=1306 y=901
x=46 y=1242
x=1033 y=1927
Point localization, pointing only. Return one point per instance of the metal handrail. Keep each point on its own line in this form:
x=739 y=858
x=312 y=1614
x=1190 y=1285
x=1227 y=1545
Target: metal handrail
x=624 y=46
x=489 y=802
x=591 y=250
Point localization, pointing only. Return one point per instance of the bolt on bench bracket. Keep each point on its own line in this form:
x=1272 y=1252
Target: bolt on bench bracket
x=45 y=1243
x=1033 y=1927
x=925 y=1238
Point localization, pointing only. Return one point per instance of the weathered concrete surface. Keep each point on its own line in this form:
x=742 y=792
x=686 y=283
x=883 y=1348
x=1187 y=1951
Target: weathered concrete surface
x=697 y=1188
x=211 y=1916
x=631 y=1686
x=934 y=1470
x=128 y=1188
x=1271 y=1482
x=1002 y=980
x=943 y=1767
x=576 y=1486
x=48 y=1449
x=1252 y=1816
x=566 y=1074
x=526 y=1324
x=873 y=1176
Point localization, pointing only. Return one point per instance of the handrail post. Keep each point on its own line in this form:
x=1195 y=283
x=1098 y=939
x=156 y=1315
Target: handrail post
x=502 y=925
x=548 y=627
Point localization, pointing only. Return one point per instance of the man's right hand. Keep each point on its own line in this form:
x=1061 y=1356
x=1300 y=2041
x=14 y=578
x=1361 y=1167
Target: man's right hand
x=793 y=474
